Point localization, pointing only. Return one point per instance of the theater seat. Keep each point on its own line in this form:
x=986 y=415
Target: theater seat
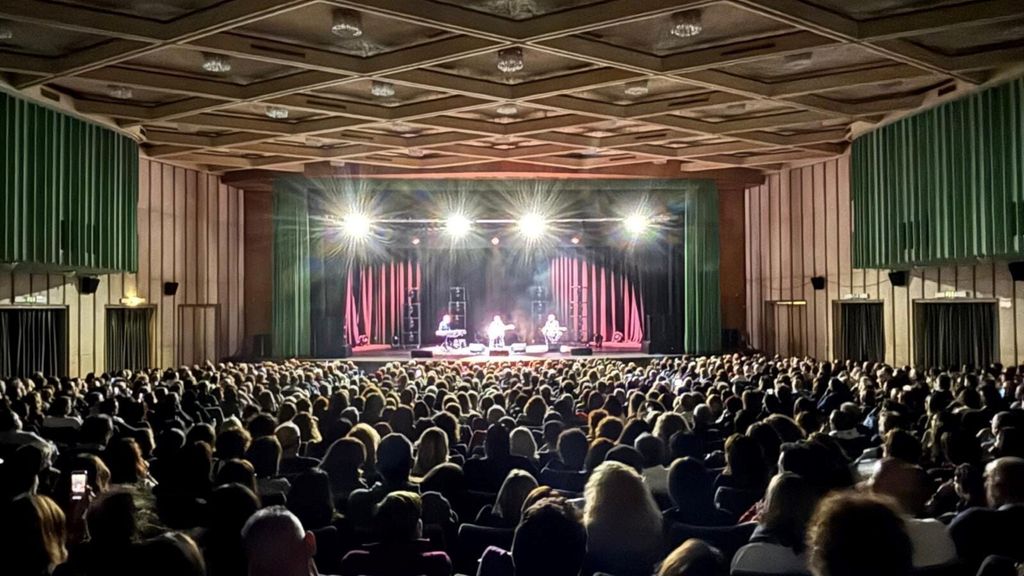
x=728 y=539
x=473 y=540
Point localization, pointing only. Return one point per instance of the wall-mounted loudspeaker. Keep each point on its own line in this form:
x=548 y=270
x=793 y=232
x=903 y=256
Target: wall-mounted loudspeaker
x=170 y=288
x=899 y=278
x=88 y=284
x=818 y=282
x=1016 y=271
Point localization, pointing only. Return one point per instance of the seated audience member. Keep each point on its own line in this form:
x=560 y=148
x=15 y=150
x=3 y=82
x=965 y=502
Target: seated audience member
x=170 y=554
x=431 y=451
x=693 y=558
x=276 y=544
x=265 y=456
x=655 y=473
x=624 y=525
x=400 y=549
x=292 y=462
x=12 y=437
x=856 y=535
x=691 y=490
x=309 y=498
x=779 y=541
x=394 y=467
x=487 y=473
x=566 y=472
x=982 y=532
x=343 y=464
x=907 y=485
x=32 y=536
x=229 y=506
x=549 y=541
x=523 y=444
x=507 y=507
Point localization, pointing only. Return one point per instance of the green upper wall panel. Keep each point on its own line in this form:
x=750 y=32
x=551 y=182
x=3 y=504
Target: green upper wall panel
x=942 y=186
x=68 y=191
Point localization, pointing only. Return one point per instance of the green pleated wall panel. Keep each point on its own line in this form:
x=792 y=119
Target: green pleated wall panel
x=68 y=191
x=942 y=186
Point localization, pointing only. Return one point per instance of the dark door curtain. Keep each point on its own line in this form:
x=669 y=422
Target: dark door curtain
x=955 y=334
x=33 y=340
x=128 y=338
x=862 y=331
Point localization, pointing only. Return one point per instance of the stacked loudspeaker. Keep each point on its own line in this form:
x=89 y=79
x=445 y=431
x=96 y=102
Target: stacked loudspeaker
x=411 y=319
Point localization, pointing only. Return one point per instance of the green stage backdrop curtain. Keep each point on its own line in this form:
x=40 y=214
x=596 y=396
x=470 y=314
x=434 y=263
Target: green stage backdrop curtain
x=945 y=185
x=702 y=302
x=298 y=262
x=291 y=321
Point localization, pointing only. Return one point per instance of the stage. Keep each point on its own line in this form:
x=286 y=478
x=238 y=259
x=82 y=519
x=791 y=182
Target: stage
x=371 y=357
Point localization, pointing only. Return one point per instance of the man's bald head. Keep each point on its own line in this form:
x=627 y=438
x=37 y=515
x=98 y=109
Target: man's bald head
x=904 y=482
x=277 y=545
x=1004 y=481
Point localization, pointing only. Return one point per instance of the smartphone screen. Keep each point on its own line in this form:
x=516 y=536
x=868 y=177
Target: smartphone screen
x=78 y=484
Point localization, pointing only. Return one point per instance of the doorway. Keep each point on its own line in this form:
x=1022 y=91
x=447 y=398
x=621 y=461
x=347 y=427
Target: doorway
x=33 y=339
x=131 y=338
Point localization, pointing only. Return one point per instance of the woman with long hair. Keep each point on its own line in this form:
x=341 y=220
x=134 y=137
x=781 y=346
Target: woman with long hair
x=32 y=536
x=778 y=543
x=623 y=522
x=507 y=507
x=431 y=451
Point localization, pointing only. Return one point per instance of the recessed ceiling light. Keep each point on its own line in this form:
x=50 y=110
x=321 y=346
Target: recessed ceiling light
x=276 y=112
x=119 y=92
x=216 y=63
x=511 y=60
x=687 y=24
x=382 y=89
x=737 y=107
x=798 y=61
x=401 y=127
x=313 y=141
x=593 y=151
x=509 y=109
x=637 y=89
x=6 y=33
x=416 y=152
x=347 y=23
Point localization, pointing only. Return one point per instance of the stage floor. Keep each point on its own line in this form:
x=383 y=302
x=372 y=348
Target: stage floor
x=371 y=357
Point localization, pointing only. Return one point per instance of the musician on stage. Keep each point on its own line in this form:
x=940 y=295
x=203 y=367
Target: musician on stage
x=444 y=328
x=552 y=330
x=496 y=332
x=446 y=323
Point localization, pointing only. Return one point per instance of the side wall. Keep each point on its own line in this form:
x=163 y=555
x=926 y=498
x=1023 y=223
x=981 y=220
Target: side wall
x=191 y=231
x=799 y=225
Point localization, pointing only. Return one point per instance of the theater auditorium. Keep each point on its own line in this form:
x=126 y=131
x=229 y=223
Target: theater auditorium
x=511 y=287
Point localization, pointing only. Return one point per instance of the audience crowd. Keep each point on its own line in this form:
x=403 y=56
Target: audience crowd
x=690 y=466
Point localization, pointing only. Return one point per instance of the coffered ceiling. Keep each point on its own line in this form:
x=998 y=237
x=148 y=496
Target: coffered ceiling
x=702 y=84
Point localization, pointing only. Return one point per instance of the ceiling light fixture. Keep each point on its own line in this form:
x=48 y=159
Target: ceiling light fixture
x=382 y=89
x=416 y=152
x=119 y=92
x=798 y=61
x=216 y=63
x=5 y=32
x=687 y=24
x=637 y=88
x=510 y=60
x=276 y=112
x=401 y=127
x=509 y=109
x=347 y=23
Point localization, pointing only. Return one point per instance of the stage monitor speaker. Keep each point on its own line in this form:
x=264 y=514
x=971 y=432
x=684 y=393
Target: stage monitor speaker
x=898 y=278
x=553 y=347
x=581 y=351
x=498 y=352
x=170 y=288
x=1016 y=271
x=477 y=348
x=818 y=282
x=421 y=353
x=88 y=284
x=519 y=348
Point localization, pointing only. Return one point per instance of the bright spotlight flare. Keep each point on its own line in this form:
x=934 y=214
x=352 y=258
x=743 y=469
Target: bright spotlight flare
x=636 y=224
x=356 y=225
x=458 y=225
x=533 y=225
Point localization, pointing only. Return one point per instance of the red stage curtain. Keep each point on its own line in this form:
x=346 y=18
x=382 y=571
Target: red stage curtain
x=375 y=300
x=613 y=303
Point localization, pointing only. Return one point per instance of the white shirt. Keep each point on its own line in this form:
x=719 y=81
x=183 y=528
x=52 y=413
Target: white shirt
x=656 y=479
x=765 y=558
x=932 y=544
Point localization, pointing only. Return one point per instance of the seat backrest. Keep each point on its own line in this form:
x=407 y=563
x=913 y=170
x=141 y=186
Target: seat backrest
x=473 y=540
x=728 y=539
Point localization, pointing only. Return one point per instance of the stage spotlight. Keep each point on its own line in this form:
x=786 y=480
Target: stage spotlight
x=356 y=225
x=636 y=224
x=575 y=240
x=532 y=225
x=458 y=225
x=415 y=241
x=495 y=241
